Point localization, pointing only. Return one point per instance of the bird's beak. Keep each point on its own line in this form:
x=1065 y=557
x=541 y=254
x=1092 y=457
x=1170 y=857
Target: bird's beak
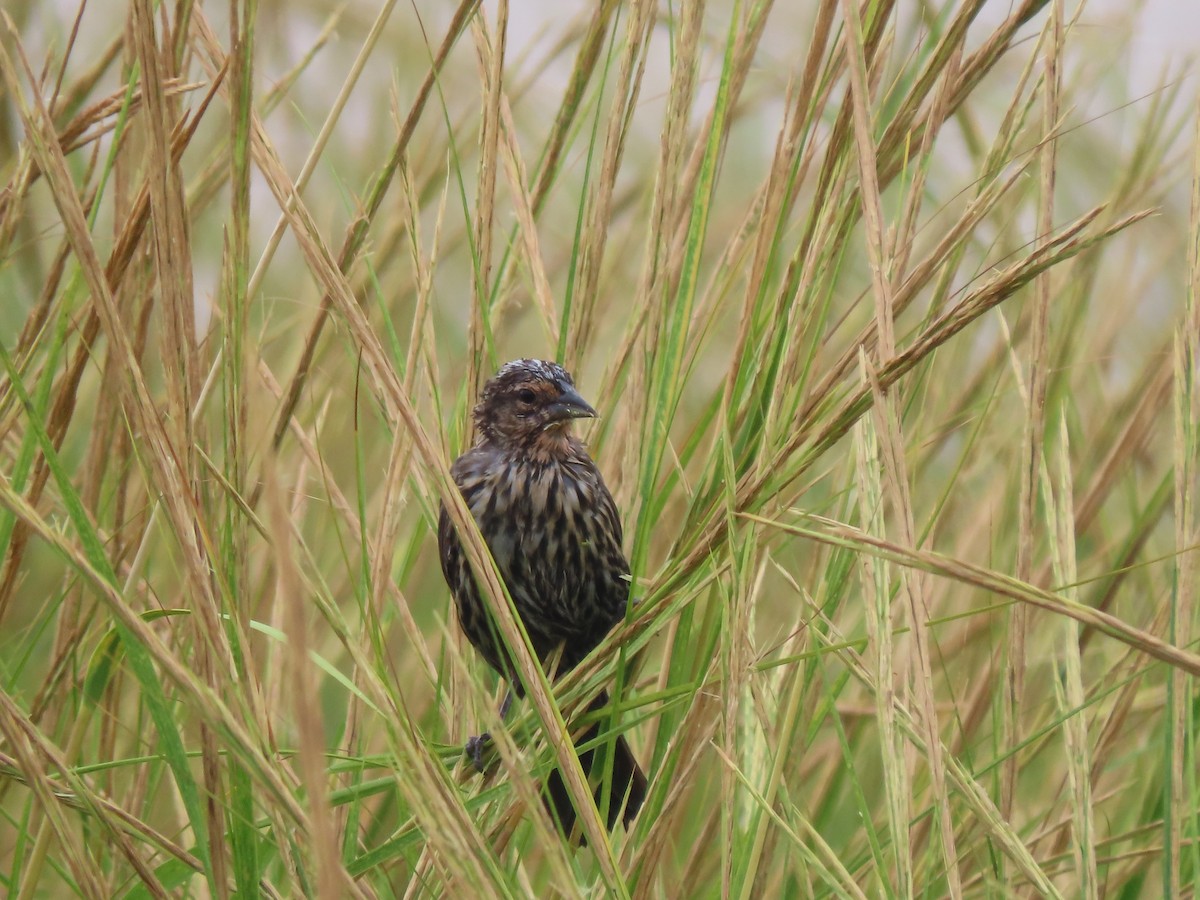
x=570 y=405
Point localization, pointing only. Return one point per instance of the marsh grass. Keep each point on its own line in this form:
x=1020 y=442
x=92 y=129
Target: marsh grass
x=891 y=317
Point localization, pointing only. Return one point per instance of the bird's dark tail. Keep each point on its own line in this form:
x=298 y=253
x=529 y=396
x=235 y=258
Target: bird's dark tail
x=628 y=791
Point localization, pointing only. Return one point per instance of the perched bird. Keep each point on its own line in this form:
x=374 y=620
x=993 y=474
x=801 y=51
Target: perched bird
x=553 y=529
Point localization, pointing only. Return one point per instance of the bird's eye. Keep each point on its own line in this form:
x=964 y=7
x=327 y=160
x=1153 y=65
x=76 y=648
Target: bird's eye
x=526 y=396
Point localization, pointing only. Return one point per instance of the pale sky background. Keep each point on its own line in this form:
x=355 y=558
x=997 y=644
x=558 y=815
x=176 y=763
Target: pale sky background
x=1168 y=30
x=1164 y=32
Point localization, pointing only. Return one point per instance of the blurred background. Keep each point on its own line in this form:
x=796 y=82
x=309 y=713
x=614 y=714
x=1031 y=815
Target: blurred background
x=906 y=462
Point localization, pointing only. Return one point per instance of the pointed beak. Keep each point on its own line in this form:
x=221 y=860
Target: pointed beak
x=570 y=405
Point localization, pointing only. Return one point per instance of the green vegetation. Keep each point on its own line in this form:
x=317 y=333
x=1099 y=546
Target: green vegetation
x=890 y=312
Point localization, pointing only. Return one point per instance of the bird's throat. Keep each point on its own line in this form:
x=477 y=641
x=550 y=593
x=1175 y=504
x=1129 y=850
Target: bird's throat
x=552 y=443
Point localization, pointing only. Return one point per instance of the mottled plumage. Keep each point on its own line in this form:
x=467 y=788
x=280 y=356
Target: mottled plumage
x=555 y=533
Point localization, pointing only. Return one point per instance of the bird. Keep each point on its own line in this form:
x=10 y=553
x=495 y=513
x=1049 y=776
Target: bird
x=554 y=531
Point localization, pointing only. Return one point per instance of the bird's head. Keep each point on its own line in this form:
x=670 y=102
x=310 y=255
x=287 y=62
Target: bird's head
x=529 y=405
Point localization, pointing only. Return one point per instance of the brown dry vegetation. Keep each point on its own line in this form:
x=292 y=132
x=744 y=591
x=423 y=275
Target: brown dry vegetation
x=890 y=313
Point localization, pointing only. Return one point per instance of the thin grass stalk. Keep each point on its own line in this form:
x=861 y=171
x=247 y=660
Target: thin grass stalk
x=1034 y=423
x=1058 y=496
x=581 y=300
x=236 y=358
x=331 y=878
x=1179 y=816
x=481 y=347
x=885 y=405
x=876 y=582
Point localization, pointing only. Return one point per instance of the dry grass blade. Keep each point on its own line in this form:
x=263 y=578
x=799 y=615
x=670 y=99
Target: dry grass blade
x=1068 y=691
x=332 y=879
x=1179 y=819
x=994 y=582
x=876 y=579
